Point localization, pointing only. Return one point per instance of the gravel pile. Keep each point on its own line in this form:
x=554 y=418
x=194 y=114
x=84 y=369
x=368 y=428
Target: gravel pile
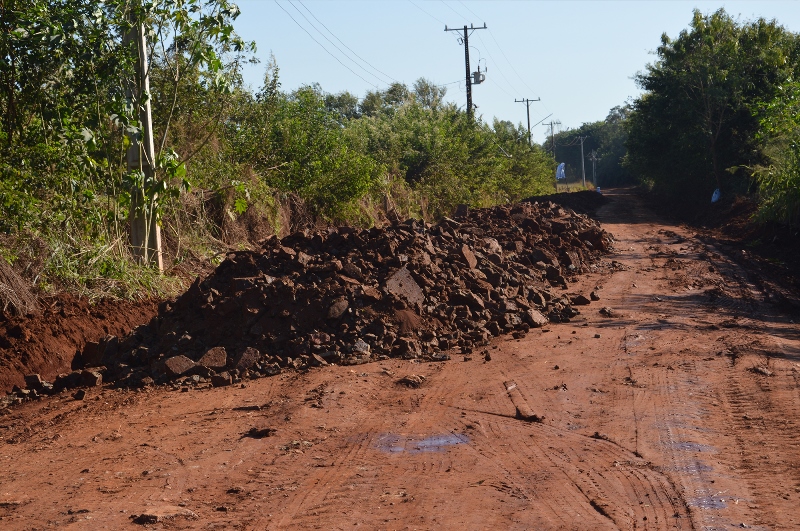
x=349 y=296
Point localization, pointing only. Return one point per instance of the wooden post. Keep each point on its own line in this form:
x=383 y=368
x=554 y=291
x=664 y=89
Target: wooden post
x=145 y=231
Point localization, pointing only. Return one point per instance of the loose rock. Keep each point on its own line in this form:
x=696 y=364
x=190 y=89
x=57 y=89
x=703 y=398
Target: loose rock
x=343 y=295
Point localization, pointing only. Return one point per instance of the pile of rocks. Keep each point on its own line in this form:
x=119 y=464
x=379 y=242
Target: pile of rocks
x=349 y=296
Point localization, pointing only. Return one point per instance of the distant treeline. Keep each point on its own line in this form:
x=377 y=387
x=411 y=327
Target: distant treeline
x=605 y=140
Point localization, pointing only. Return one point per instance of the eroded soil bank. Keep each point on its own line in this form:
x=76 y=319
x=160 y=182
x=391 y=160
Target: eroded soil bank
x=677 y=407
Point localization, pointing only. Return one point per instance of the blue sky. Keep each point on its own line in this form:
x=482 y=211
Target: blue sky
x=579 y=57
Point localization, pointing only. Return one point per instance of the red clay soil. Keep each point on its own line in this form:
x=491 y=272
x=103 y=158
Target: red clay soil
x=46 y=343
x=673 y=402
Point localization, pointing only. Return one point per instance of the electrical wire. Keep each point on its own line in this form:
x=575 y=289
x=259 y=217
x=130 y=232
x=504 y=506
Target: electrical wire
x=434 y=18
x=326 y=50
x=504 y=55
x=497 y=65
x=496 y=84
x=468 y=9
x=346 y=46
x=450 y=7
x=514 y=69
x=334 y=44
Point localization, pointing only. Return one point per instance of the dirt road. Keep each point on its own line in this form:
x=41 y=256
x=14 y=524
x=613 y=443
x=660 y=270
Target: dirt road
x=677 y=409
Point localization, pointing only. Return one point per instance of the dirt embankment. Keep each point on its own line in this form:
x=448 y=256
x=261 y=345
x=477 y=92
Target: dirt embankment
x=47 y=342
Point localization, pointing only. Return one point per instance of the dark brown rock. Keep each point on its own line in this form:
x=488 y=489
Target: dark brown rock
x=402 y=284
x=247 y=358
x=91 y=354
x=161 y=514
x=468 y=256
x=33 y=381
x=352 y=270
x=337 y=309
x=215 y=358
x=467 y=298
x=303 y=259
x=91 y=378
x=368 y=292
x=535 y=318
x=67 y=381
x=407 y=348
x=221 y=380
x=319 y=360
x=580 y=300
x=178 y=365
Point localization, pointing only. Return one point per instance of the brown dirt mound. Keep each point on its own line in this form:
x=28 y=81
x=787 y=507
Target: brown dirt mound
x=349 y=296
x=46 y=343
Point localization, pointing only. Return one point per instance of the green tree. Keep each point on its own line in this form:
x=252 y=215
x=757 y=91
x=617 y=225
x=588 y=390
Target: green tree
x=428 y=94
x=694 y=129
x=779 y=177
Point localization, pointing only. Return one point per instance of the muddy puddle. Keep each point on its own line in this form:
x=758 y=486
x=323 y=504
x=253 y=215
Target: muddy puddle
x=393 y=443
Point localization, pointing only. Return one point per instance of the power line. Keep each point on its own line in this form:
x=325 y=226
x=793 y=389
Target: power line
x=468 y=9
x=489 y=53
x=504 y=55
x=498 y=85
x=334 y=44
x=450 y=8
x=511 y=64
x=434 y=18
x=497 y=65
x=326 y=50
x=343 y=44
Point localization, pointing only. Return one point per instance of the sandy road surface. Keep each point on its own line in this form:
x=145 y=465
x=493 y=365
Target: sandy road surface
x=679 y=411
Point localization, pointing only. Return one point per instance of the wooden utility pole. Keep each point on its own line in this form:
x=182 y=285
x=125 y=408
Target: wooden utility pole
x=594 y=158
x=527 y=103
x=145 y=231
x=552 y=125
x=583 y=161
x=465 y=41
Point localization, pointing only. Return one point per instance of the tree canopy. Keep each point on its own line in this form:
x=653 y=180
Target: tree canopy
x=696 y=127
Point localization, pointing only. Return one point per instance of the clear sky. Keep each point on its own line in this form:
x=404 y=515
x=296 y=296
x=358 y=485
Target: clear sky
x=579 y=57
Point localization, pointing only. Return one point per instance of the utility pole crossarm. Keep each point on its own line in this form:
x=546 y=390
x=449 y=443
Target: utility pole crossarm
x=466 y=31
x=527 y=103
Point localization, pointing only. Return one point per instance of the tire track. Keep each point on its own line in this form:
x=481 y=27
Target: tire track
x=606 y=479
x=770 y=468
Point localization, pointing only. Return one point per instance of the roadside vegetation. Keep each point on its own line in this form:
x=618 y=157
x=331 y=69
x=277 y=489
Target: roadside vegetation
x=234 y=163
x=720 y=111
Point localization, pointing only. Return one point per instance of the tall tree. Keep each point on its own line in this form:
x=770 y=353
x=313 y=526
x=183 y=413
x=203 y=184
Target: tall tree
x=694 y=128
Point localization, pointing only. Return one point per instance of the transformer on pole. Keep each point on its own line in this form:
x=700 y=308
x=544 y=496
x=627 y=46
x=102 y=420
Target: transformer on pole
x=478 y=76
